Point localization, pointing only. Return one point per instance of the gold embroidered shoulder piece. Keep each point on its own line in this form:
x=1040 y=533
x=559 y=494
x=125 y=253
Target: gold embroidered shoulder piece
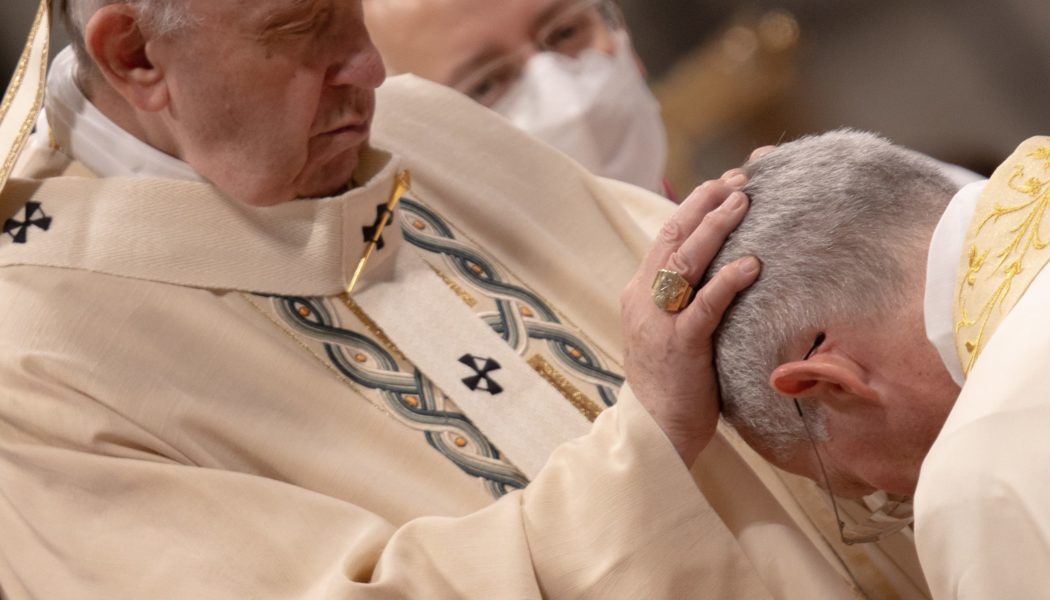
x=1006 y=246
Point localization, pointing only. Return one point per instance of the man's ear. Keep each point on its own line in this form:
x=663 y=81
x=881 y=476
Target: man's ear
x=830 y=373
x=117 y=44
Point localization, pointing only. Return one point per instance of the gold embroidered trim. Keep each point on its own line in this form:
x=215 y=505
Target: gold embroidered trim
x=20 y=70
x=53 y=141
x=372 y=327
x=463 y=294
x=15 y=87
x=587 y=407
x=324 y=363
x=1013 y=257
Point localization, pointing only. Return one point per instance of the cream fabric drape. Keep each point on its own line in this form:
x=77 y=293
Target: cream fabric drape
x=175 y=420
x=981 y=517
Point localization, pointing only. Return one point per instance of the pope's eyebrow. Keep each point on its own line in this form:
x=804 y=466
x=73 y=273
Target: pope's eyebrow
x=301 y=16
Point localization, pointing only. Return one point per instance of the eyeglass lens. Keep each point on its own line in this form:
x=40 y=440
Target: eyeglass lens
x=574 y=27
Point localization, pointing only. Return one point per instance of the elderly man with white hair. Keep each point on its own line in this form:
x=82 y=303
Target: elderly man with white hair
x=246 y=354
x=883 y=291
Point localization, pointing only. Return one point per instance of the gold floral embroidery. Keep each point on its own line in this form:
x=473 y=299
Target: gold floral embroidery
x=1000 y=264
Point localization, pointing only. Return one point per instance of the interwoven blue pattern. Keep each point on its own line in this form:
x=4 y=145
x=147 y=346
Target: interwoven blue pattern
x=409 y=394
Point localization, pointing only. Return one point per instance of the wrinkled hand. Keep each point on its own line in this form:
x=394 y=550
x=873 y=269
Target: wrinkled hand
x=669 y=357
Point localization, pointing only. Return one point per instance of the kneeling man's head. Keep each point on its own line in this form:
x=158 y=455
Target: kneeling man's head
x=842 y=223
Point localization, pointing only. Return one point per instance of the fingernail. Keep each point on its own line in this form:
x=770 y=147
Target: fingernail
x=750 y=266
x=738 y=181
x=736 y=201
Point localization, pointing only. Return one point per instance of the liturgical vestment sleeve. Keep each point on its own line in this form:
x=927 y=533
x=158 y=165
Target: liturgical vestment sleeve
x=607 y=518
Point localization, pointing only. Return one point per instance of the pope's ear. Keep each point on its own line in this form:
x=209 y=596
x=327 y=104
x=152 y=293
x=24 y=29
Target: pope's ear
x=118 y=47
x=829 y=373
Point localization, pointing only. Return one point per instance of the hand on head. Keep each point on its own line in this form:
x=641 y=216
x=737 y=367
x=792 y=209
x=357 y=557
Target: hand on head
x=842 y=221
x=669 y=355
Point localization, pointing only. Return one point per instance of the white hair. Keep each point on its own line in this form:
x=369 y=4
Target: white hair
x=159 y=17
x=836 y=219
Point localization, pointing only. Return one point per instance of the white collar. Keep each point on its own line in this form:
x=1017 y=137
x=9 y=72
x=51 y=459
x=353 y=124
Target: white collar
x=942 y=267
x=92 y=139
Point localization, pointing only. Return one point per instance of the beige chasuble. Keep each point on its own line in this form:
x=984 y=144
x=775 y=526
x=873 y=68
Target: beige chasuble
x=190 y=407
x=982 y=510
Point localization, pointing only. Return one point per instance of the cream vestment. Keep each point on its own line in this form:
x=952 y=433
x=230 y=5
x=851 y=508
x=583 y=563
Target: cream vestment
x=190 y=408
x=982 y=508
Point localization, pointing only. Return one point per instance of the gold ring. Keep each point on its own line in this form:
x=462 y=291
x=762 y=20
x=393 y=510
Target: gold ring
x=671 y=292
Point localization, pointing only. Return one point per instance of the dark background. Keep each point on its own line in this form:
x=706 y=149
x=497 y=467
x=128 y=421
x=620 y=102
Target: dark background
x=963 y=80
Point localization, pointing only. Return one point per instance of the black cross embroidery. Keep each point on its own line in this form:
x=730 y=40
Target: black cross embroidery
x=481 y=374
x=381 y=213
x=19 y=230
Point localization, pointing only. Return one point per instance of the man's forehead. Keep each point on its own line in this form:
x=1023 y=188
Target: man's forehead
x=436 y=38
x=262 y=11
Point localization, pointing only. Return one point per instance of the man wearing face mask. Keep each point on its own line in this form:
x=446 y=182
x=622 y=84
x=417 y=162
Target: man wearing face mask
x=563 y=70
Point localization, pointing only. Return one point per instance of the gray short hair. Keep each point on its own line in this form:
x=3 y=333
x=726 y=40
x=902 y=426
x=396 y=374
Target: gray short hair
x=161 y=17
x=834 y=218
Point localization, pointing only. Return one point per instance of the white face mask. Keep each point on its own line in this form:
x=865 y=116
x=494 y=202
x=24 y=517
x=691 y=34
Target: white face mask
x=597 y=109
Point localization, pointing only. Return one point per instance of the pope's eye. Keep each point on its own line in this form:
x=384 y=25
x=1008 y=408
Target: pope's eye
x=298 y=27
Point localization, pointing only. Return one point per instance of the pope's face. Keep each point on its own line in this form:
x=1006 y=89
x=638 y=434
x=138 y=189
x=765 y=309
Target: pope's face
x=271 y=99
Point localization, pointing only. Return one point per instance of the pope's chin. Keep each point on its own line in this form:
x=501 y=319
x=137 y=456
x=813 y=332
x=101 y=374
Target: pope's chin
x=332 y=177
x=330 y=168
x=317 y=180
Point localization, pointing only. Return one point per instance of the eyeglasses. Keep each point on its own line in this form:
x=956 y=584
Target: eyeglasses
x=895 y=512
x=574 y=27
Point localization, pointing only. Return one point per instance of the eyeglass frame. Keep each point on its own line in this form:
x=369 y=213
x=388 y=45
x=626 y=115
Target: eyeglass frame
x=848 y=539
x=608 y=10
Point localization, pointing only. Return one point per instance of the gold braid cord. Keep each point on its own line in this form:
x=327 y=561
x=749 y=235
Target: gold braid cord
x=1006 y=247
x=25 y=94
